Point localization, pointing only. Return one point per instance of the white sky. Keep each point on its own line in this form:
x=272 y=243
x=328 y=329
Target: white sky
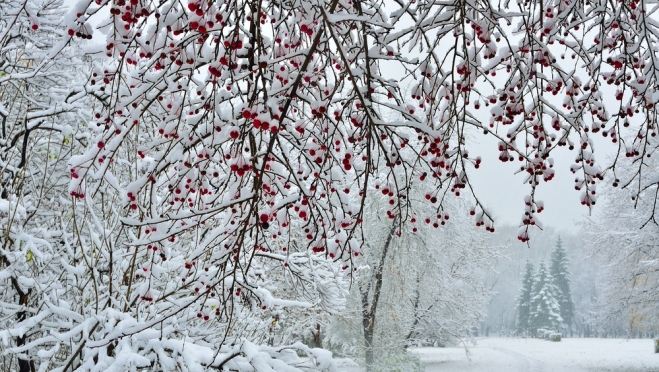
x=503 y=193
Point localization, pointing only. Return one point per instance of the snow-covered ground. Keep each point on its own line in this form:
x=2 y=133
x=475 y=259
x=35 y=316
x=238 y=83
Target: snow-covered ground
x=533 y=355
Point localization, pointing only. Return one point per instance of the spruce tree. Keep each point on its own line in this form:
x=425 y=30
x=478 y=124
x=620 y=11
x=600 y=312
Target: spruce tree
x=545 y=312
x=561 y=278
x=524 y=299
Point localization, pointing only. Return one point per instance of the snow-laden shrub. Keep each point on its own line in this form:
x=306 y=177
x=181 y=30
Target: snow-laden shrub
x=656 y=345
x=399 y=361
x=555 y=337
x=342 y=337
x=543 y=333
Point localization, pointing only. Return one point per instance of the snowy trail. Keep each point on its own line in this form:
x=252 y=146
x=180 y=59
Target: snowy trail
x=526 y=364
x=484 y=357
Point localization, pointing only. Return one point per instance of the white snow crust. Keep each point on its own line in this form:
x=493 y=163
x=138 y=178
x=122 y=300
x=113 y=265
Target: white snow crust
x=534 y=355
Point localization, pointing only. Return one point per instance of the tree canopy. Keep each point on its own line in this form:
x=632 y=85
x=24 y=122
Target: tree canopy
x=544 y=309
x=560 y=273
x=171 y=196
x=524 y=299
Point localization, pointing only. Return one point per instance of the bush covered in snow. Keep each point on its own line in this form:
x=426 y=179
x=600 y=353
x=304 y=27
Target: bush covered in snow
x=543 y=333
x=549 y=335
x=399 y=361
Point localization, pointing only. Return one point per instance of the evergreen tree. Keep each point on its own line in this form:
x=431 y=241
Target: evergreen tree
x=524 y=299
x=545 y=312
x=561 y=279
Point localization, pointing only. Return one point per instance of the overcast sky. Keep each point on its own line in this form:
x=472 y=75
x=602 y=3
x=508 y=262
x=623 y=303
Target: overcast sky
x=503 y=193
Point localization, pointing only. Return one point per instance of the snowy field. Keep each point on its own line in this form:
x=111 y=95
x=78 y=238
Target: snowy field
x=532 y=355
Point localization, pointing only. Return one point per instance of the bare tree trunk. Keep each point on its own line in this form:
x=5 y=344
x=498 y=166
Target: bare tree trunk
x=417 y=295
x=23 y=364
x=316 y=337
x=368 y=323
x=369 y=310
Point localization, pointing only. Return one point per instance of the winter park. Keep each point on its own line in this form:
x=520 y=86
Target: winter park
x=329 y=185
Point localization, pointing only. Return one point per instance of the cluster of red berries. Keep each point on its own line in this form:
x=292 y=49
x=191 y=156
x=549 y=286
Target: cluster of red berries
x=440 y=219
x=78 y=193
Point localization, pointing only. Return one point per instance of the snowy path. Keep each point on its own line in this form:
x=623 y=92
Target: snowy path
x=531 y=355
